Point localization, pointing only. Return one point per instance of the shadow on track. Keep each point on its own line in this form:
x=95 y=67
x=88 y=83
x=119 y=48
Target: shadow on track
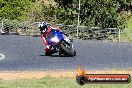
x=55 y=55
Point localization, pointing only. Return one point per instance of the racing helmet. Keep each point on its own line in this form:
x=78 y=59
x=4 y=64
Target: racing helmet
x=43 y=26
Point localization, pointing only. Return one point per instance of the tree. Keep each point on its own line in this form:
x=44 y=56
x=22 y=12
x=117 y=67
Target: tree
x=64 y=3
x=101 y=13
x=14 y=9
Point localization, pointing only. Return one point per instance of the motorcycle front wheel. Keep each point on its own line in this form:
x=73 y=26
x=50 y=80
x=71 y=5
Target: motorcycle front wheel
x=67 y=51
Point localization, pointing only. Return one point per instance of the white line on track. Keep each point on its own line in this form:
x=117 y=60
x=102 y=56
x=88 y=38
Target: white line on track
x=2 y=56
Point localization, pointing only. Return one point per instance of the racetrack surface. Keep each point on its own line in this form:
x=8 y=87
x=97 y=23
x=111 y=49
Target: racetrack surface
x=27 y=53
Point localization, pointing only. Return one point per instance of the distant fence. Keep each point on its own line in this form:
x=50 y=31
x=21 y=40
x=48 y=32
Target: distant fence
x=16 y=27
x=80 y=32
x=96 y=33
x=92 y=33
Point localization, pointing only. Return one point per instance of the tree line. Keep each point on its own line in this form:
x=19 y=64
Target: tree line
x=101 y=13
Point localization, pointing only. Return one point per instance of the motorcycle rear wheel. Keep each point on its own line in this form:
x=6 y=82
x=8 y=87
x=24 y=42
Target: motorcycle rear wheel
x=48 y=54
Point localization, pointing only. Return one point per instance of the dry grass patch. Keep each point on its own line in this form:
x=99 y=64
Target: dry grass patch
x=11 y=75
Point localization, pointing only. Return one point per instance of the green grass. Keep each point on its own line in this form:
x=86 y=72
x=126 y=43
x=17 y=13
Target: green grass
x=127 y=33
x=50 y=82
x=129 y=23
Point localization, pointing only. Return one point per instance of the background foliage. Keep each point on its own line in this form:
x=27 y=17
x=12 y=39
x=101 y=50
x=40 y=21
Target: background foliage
x=101 y=13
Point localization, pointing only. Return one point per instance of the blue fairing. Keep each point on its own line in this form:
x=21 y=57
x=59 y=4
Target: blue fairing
x=57 y=34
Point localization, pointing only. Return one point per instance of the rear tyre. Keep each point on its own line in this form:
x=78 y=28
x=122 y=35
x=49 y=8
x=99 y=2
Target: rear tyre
x=48 y=53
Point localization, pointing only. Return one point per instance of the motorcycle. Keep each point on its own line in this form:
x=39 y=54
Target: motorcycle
x=59 y=43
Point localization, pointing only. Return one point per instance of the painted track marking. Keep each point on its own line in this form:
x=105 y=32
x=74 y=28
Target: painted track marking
x=2 y=56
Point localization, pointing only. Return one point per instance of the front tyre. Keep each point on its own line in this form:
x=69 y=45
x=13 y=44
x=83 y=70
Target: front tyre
x=67 y=51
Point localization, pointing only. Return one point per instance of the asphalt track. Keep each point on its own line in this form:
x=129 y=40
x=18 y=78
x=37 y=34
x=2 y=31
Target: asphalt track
x=27 y=53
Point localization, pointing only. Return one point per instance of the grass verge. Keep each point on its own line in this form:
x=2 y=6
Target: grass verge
x=53 y=79
x=52 y=82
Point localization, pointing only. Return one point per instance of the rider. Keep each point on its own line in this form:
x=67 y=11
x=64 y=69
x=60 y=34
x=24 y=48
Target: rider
x=45 y=29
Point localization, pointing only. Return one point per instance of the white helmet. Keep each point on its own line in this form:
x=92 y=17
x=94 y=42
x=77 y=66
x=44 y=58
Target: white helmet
x=41 y=24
